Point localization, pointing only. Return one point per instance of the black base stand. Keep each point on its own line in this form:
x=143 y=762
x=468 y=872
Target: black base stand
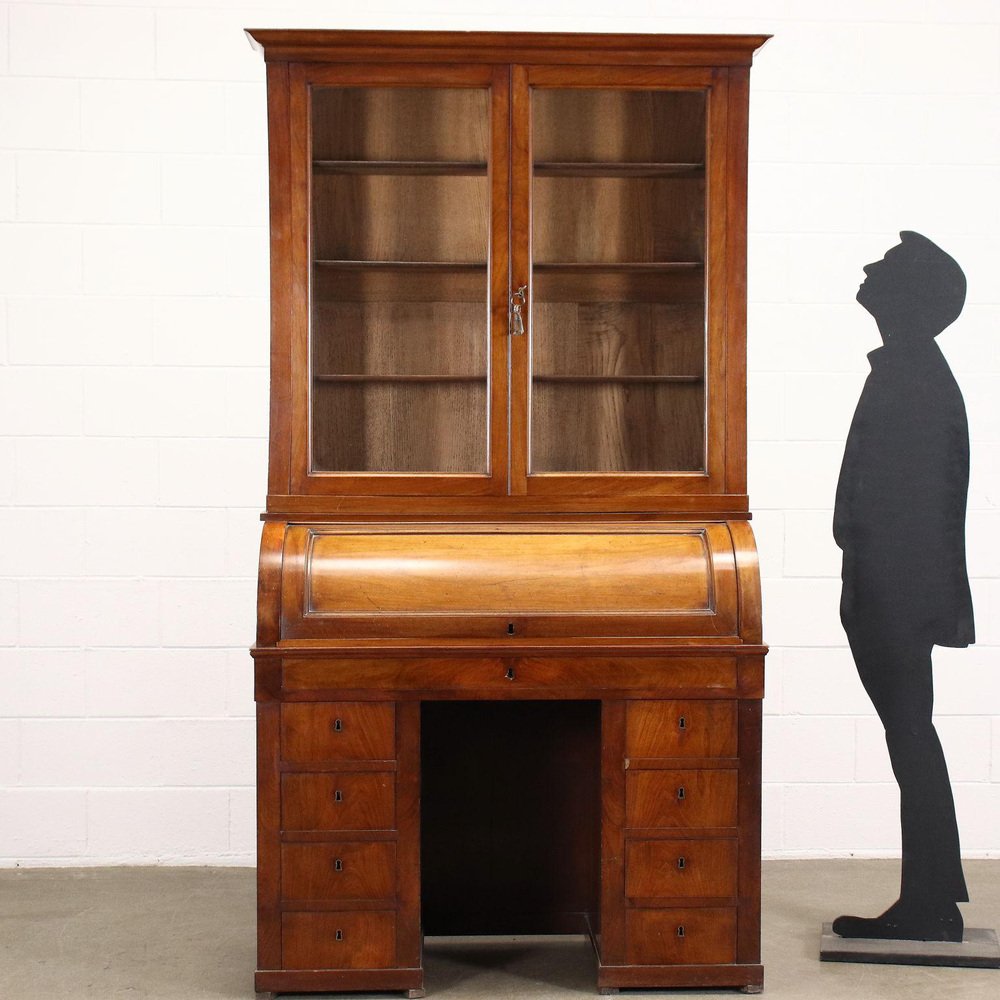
x=979 y=949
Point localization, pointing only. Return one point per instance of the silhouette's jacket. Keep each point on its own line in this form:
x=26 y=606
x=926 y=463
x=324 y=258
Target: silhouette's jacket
x=900 y=521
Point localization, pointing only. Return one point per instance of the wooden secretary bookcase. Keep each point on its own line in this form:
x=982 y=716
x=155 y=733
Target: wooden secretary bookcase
x=509 y=660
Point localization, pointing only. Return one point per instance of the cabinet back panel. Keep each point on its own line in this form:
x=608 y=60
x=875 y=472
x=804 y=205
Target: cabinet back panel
x=400 y=123
x=397 y=217
x=399 y=427
x=618 y=125
x=617 y=427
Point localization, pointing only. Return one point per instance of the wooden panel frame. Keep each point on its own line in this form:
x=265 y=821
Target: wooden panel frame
x=290 y=334
x=722 y=357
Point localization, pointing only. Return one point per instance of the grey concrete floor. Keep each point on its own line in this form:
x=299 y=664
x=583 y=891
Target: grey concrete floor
x=188 y=934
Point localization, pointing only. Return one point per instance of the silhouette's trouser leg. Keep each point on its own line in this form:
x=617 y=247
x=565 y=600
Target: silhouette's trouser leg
x=897 y=674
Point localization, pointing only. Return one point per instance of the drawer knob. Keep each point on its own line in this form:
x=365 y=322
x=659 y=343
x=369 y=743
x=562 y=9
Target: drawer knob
x=682 y=723
x=338 y=865
x=680 y=931
x=338 y=796
x=681 y=863
x=681 y=794
x=338 y=725
x=339 y=935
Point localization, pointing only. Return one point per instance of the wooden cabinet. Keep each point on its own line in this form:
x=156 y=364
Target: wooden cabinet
x=509 y=661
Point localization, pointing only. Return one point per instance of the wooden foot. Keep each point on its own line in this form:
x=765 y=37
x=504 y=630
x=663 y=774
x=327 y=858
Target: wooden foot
x=752 y=988
x=415 y=994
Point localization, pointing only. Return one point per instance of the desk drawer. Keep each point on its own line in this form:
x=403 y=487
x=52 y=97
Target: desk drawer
x=681 y=799
x=338 y=872
x=694 y=868
x=359 y=800
x=344 y=730
x=341 y=940
x=681 y=729
x=693 y=936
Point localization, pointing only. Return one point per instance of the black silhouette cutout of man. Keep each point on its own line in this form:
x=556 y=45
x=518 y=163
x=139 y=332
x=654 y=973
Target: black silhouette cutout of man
x=900 y=521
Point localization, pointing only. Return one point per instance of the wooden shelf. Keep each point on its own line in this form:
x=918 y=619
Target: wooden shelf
x=694 y=379
x=581 y=169
x=402 y=265
x=399 y=378
x=630 y=267
x=437 y=168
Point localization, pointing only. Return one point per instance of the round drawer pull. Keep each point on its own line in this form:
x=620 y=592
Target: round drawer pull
x=338 y=796
x=682 y=863
x=680 y=931
x=338 y=725
x=338 y=865
x=681 y=793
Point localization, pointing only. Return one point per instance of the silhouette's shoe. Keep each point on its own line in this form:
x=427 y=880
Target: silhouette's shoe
x=906 y=922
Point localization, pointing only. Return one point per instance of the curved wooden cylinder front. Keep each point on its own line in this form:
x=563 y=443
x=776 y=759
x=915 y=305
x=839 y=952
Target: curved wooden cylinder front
x=500 y=581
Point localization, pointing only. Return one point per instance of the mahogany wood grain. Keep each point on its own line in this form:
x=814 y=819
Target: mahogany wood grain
x=665 y=868
x=613 y=822
x=680 y=976
x=684 y=798
x=364 y=940
x=338 y=731
x=409 y=930
x=653 y=937
x=748 y=941
x=268 y=836
x=531 y=676
x=338 y=871
x=338 y=801
x=681 y=729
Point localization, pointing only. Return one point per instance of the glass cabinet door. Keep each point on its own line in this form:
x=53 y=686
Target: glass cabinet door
x=399 y=339
x=620 y=339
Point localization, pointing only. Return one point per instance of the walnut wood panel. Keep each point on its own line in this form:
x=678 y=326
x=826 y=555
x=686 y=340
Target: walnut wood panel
x=611 y=950
x=748 y=942
x=400 y=123
x=682 y=798
x=409 y=931
x=618 y=219
x=666 y=868
x=338 y=871
x=653 y=937
x=399 y=426
x=399 y=218
x=600 y=338
x=616 y=427
x=618 y=126
x=518 y=676
x=343 y=940
x=338 y=801
x=402 y=338
x=493 y=580
x=338 y=731
x=268 y=834
x=691 y=728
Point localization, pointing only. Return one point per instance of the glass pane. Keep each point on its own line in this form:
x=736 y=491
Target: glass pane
x=399 y=327
x=618 y=285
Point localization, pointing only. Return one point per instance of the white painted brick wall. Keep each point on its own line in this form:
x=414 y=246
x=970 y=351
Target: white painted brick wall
x=133 y=396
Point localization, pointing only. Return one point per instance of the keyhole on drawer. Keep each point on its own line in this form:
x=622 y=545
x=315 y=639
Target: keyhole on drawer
x=338 y=796
x=681 y=863
x=510 y=628
x=338 y=725
x=339 y=935
x=510 y=673
x=680 y=931
x=338 y=865
x=682 y=723
x=681 y=793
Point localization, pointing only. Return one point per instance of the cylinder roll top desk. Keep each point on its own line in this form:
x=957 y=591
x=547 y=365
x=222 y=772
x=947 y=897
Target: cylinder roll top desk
x=509 y=663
